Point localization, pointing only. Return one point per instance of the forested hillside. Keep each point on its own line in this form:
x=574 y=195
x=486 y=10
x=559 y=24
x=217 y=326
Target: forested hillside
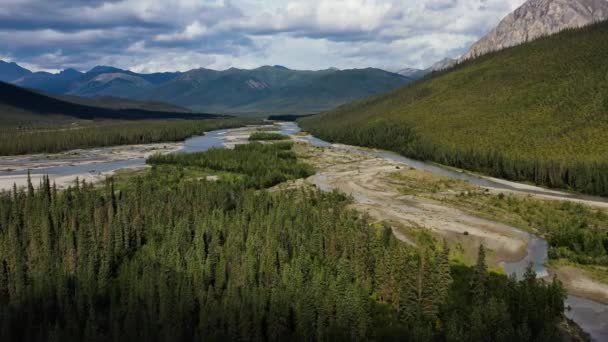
x=537 y=112
x=107 y=133
x=170 y=256
x=22 y=107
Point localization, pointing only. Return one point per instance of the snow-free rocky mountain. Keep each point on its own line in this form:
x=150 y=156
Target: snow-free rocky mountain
x=537 y=18
x=12 y=71
x=419 y=73
x=268 y=89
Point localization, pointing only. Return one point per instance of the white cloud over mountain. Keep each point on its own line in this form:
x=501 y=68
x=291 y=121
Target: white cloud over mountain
x=158 y=35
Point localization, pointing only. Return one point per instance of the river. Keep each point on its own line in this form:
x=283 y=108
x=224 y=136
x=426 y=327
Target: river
x=590 y=315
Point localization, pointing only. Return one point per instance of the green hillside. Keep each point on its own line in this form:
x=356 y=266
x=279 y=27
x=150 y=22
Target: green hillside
x=536 y=112
x=273 y=89
x=21 y=107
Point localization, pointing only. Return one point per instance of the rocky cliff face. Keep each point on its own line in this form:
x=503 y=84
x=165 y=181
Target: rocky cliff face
x=537 y=18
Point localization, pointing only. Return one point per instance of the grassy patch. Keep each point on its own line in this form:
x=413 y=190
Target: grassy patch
x=575 y=232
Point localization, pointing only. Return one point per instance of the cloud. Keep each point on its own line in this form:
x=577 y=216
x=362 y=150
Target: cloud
x=158 y=35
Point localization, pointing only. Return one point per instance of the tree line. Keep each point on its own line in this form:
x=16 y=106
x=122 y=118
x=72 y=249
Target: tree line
x=257 y=136
x=584 y=176
x=107 y=134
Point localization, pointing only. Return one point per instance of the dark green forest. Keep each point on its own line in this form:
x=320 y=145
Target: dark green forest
x=519 y=114
x=257 y=136
x=257 y=165
x=110 y=133
x=161 y=256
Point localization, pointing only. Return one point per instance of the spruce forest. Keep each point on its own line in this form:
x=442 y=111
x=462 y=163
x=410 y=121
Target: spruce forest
x=520 y=114
x=163 y=255
x=109 y=133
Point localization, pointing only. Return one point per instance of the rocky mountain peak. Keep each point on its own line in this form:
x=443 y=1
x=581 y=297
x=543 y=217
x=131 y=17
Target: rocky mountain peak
x=537 y=18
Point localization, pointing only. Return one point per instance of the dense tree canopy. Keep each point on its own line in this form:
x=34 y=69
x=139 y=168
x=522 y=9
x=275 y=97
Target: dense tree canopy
x=109 y=133
x=163 y=257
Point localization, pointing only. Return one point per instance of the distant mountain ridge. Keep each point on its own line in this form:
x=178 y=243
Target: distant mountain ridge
x=11 y=71
x=271 y=89
x=537 y=18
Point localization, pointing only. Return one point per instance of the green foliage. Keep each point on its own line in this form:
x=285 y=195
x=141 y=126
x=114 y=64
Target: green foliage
x=262 y=136
x=14 y=142
x=165 y=258
x=263 y=165
x=520 y=114
x=500 y=308
x=574 y=231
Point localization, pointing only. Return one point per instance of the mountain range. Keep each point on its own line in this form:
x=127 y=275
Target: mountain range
x=268 y=89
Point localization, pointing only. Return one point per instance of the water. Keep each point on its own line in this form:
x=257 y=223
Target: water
x=201 y=143
x=591 y=316
x=67 y=170
x=212 y=139
x=537 y=256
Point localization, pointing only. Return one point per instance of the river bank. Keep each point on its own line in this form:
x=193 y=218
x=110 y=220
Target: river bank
x=93 y=165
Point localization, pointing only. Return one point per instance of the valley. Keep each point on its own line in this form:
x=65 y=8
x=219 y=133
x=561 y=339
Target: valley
x=417 y=204
x=310 y=170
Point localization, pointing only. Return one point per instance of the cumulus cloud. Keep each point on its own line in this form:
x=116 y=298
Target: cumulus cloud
x=158 y=35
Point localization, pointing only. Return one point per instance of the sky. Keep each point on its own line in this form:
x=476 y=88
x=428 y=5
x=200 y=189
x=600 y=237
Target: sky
x=179 y=35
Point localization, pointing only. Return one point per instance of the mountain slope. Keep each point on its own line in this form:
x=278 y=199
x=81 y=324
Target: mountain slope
x=537 y=18
x=11 y=71
x=330 y=90
x=50 y=83
x=99 y=81
x=520 y=114
x=22 y=106
x=111 y=102
x=273 y=89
